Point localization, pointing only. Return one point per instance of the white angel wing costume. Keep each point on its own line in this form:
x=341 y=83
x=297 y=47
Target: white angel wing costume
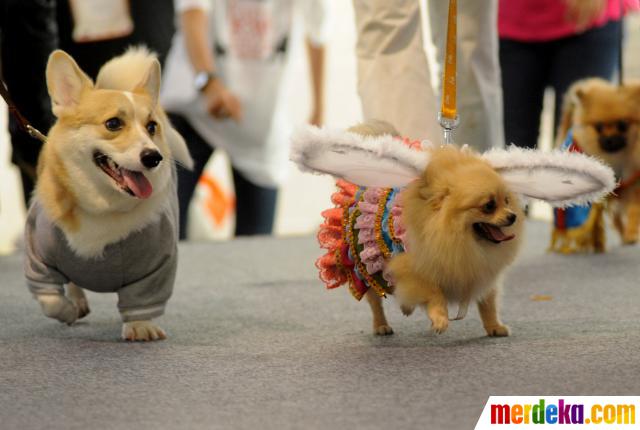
x=559 y=178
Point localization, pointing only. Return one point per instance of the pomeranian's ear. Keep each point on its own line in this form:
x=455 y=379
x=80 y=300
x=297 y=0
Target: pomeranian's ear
x=560 y=178
x=371 y=161
x=151 y=82
x=65 y=81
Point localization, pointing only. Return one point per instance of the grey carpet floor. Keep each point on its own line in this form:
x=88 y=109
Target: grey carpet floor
x=257 y=342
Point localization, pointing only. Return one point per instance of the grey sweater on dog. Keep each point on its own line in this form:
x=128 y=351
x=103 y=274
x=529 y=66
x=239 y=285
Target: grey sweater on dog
x=141 y=268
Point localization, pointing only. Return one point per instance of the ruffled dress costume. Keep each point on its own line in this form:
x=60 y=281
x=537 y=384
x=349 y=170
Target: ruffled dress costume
x=361 y=234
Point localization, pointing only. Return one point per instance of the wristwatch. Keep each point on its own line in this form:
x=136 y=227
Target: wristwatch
x=202 y=79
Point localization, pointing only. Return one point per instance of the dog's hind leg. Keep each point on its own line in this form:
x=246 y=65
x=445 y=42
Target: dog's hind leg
x=380 y=325
x=488 y=307
x=77 y=296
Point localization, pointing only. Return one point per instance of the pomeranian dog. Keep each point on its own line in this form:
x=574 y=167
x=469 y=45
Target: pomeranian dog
x=464 y=228
x=432 y=225
x=604 y=121
x=461 y=228
x=104 y=214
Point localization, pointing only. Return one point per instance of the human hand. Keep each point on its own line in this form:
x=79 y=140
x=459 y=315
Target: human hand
x=584 y=12
x=222 y=103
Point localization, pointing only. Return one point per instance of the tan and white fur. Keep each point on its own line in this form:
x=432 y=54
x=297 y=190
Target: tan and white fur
x=84 y=202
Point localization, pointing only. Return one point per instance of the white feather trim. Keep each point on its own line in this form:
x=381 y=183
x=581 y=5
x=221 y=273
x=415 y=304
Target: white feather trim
x=559 y=177
x=372 y=161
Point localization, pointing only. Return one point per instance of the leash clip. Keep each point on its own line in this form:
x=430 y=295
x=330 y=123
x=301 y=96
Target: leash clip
x=448 y=125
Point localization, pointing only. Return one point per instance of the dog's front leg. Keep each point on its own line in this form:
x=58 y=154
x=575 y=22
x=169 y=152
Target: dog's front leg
x=57 y=306
x=412 y=290
x=142 y=331
x=488 y=307
x=437 y=310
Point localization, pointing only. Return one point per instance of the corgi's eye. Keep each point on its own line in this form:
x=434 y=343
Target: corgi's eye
x=152 y=127
x=506 y=201
x=599 y=127
x=489 y=207
x=114 y=124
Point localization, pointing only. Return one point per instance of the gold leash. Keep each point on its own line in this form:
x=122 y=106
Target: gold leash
x=448 y=115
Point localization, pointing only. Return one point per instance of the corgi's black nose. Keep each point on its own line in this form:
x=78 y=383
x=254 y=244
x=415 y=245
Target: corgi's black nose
x=150 y=158
x=511 y=218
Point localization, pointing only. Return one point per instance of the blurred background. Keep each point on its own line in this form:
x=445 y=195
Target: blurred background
x=303 y=196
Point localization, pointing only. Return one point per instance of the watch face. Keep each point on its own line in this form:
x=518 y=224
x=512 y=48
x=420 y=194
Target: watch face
x=201 y=80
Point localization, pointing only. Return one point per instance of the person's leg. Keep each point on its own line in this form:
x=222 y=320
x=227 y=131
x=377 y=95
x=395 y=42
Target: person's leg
x=200 y=151
x=393 y=74
x=593 y=53
x=524 y=77
x=255 y=206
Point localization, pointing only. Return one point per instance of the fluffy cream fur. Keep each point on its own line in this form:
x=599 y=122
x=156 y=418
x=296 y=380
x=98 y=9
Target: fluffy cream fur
x=446 y=260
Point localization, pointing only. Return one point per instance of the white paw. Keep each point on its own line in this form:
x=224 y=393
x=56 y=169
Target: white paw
x=142 y=331
x=58 y=307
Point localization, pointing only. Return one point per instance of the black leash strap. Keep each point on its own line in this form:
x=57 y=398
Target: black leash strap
x=24 y=124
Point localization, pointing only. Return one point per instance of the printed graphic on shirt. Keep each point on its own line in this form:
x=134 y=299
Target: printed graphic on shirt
x=251 y=30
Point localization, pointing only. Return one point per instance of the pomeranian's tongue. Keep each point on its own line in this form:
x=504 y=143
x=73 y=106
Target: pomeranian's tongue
x=137 y=183
x=497 y=234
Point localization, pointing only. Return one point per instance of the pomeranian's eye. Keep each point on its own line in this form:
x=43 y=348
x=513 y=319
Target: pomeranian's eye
x=506 y=201
x=152 y=127
x=622 y=126
x=114 y=124
x=489 y=207
x=599 y=127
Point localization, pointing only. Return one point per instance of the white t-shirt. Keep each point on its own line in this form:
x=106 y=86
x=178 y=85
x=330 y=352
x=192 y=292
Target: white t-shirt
x=251 y=40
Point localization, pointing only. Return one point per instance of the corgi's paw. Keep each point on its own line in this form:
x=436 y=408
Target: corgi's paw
x=58 y=307
x=407 y=309
x=439 y=324
x=77 y=297
x=142 y=331
x=498 y=331
x=382 y=330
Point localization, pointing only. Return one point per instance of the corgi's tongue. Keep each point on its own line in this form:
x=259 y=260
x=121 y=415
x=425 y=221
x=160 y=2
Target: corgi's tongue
x=137 y=183
x=497 y=234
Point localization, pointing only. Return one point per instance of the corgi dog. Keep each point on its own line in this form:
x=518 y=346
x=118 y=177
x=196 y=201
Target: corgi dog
x=104 y=214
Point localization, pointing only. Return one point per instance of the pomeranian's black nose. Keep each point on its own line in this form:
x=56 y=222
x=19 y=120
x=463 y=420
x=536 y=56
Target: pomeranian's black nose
x=612 y=143
x=150 y=158
x=511 y=218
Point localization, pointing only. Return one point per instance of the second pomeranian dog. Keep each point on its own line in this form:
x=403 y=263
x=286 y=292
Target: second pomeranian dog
x=434 y=225
x=603 y=120
x=104 y=214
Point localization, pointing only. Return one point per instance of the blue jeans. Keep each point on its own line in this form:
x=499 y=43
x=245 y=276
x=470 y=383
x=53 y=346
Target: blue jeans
x=255 y=205
x=528 y=68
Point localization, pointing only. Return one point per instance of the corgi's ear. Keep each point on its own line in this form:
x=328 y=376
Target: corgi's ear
x=151 y=82
x=65 y=81
x=177 y=145
x=560 y=178
x=371 y=161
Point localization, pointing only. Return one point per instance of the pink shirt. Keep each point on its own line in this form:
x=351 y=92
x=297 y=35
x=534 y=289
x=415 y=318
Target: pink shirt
x=543 y=20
